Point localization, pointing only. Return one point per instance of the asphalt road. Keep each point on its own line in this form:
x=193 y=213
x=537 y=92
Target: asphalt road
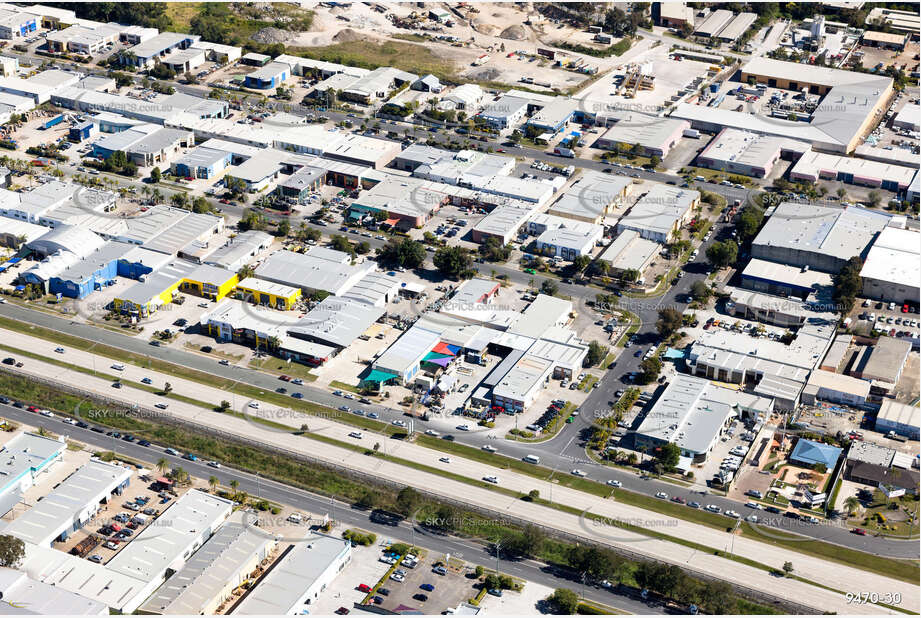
x=318 y=506
x=572 y=450
x=562 y=453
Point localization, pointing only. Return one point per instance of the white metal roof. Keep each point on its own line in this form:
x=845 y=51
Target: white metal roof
x=895 y=257
x=189 y=521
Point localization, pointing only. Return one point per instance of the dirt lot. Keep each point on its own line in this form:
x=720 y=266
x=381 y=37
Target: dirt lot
x=873 y=56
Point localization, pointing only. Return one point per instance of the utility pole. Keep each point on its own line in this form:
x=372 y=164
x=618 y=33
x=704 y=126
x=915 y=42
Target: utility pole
x=498 y=551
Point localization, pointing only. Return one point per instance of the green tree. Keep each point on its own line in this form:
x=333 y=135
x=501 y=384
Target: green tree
x=748 y=222
x=847 y=284
x=225 y=405
x=564 y=601
x=649 y=369
x=283 y=228
x=406 y=253
x=631 y=275
x=367 y=500
x=668 y=455
x=669 y=321
x=549 y=287
x=492 y=250
x=341 y=243
x=12 y=551
x=700 y=290
x=852 y=504
x=723 y=253
x=788 y=568
x=453 y=262
x=155 y=175
x=596 y=353
x=581 y=262
x=408 y=500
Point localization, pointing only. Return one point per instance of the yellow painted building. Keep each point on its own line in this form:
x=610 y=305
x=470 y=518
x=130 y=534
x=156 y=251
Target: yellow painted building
x=261 y=292
x=161 y=287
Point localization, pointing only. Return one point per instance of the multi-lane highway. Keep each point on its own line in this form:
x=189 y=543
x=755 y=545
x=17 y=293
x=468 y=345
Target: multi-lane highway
x=562 y=453
x=317 y=506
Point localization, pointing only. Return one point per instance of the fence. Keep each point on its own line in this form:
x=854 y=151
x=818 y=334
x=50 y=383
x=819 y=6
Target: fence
x=370 y=479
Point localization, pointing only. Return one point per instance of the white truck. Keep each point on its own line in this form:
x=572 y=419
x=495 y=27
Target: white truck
x=564 y=152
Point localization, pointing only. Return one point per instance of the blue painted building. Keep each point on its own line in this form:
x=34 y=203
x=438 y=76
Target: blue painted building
x=81 y=131
x=270 y=76
x=91 y=273
x=201 y=163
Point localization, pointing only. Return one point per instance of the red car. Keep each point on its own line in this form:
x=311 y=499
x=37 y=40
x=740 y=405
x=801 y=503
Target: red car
x=364 y=588
x=905 y=308
x=678 y=499
x=284 y=378
x=499 y=150
x=225 y=201
x=859 y=531
x=342 y=611
x=32 y=409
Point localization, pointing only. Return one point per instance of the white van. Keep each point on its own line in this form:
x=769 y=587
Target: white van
x=118 y=367
x=532 y=459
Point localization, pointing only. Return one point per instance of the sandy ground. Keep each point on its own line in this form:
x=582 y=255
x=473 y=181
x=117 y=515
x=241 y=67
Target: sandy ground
x=495 y=27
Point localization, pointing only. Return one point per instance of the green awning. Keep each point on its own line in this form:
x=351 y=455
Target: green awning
x=355 y=215
x=436 y=356
x=379 y=376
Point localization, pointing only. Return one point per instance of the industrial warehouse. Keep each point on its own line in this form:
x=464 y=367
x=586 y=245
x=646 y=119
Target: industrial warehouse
x=308 y=311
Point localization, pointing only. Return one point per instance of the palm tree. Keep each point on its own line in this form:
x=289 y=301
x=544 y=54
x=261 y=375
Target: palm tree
x=852 y=504
x=162 y=464
x=213 y=483
x=180 y=475
x=234 y=484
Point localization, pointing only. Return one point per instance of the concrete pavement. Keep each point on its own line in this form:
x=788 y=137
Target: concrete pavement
x=553 y=455
x=306 y=502
x=607 y=532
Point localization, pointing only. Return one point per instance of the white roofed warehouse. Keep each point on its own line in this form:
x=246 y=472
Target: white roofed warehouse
x=817 y=237
x=741 y=152
x=853 y=104
x=657 y=136
x=305 y=569
x=693 y=413
x=659 y=214
x=892 y=270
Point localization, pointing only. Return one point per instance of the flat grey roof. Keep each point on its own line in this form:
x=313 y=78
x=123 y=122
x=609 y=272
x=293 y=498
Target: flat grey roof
x=157 y=547
x=92 y=262
x=691 y=411
x=900 y=413
x=336 y=320
x=311 y=273
x=282 y=588
x=841 y=233
x=542 y=314
x=207 y=573
x=886 y=359
x=26 y=452
x=67 y=503
x=519 y=381
x=24 y=595
x=868 y=452
x=161 y=42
